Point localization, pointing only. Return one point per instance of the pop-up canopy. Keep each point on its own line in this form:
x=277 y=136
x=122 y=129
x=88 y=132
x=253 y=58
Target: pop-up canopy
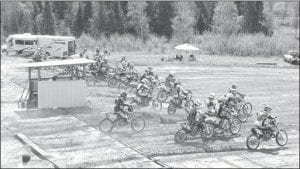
x=187 y=47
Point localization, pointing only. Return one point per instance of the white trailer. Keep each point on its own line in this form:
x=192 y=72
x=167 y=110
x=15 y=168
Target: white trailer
x=26 y=44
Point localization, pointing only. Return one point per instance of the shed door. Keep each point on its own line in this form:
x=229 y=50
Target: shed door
x=53 y=94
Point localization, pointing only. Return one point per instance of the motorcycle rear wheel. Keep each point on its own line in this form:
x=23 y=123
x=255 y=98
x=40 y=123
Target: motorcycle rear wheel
x=180 y=136
x=171 y=108
x=106 y=125
x=279 y=134
x=157 y=105
x=252 y=142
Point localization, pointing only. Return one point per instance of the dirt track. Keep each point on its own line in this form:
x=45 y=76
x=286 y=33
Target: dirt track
x=278 y=87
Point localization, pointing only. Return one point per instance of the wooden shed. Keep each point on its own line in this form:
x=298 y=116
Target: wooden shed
x=61 y=91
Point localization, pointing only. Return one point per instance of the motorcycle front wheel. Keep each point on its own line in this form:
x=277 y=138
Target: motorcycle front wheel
x=157 y=105
x=281 y=137
x=106 y=125
x=180 y=136
x=209 y=131
x=121 y=86
x=252 y=142
x=171 y=108
x=249 y=107
x=162 y=96
x=235 y=126
x=112 y=82
x=138 y=124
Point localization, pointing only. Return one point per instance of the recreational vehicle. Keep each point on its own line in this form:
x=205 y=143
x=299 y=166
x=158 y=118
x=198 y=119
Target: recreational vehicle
x=26 y=44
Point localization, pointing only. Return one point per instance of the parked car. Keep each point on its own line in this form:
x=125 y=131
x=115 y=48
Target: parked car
x=292 y=57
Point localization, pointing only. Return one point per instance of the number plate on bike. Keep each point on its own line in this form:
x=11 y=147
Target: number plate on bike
x=113 y=116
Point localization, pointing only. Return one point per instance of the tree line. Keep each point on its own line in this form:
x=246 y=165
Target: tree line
x=166 y=19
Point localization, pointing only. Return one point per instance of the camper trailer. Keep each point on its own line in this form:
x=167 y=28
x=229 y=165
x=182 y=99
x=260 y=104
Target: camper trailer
x=26 y=44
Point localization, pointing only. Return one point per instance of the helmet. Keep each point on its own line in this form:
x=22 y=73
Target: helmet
x=233 y=87
x=211 y=95
x=150 y=67
x=197 y=102
x=123 y=57
x=85 y=49
x=172 y=73
x=267 y=108
x=123 y=94
x=131 y=64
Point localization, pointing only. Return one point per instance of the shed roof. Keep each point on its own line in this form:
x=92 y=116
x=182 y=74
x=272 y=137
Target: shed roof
x=81 y=61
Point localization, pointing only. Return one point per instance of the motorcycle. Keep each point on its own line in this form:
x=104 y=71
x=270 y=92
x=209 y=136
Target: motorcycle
x=227 y=121
x=164 y=93
x=125 y=82
x=136 y=122
x=258 y=135
x=236 y=110
x=144 y=101
x=188 y=130
x=176 y=103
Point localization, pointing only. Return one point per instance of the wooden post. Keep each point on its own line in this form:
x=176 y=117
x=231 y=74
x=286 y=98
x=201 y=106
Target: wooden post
x=39 y=74
x=29 y=78
x=72 y=72
x=83 y=75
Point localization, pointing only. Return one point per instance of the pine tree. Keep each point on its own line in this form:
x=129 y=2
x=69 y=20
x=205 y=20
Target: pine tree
x=137 y=20
x=253 y=17
x=204 y=16
x=164 y=17
x=87 y=16
x=152 y=12
x=34 y=15
x=77 y=26
x=47 y=24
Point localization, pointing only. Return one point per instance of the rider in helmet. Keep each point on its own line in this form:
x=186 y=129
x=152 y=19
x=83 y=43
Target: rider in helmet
x=211 y=104
x=84 y=53
x=231 y=100
x=143 y=90
x=170 y=80
x=181 y=93
x=263 y=117
x=120 y=105
x=195 y=117
x=38 y=55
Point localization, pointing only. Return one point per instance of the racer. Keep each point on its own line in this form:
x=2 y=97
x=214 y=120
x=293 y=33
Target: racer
x=170 y=80
x=263 y=118
x=119 y=108
x=195 y=117
x=84 y=53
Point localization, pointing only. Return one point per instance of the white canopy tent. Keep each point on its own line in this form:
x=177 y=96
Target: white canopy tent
x=186 y=48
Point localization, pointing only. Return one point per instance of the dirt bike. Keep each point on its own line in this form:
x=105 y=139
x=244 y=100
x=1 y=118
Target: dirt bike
x=226 y=121
x=188 y=130
x=125 y=82
x=236 y=110
x=164 y=93
x=114 y=79
x=258 y=135
x=136 y=122
x=175 y=103
x=145 y=101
